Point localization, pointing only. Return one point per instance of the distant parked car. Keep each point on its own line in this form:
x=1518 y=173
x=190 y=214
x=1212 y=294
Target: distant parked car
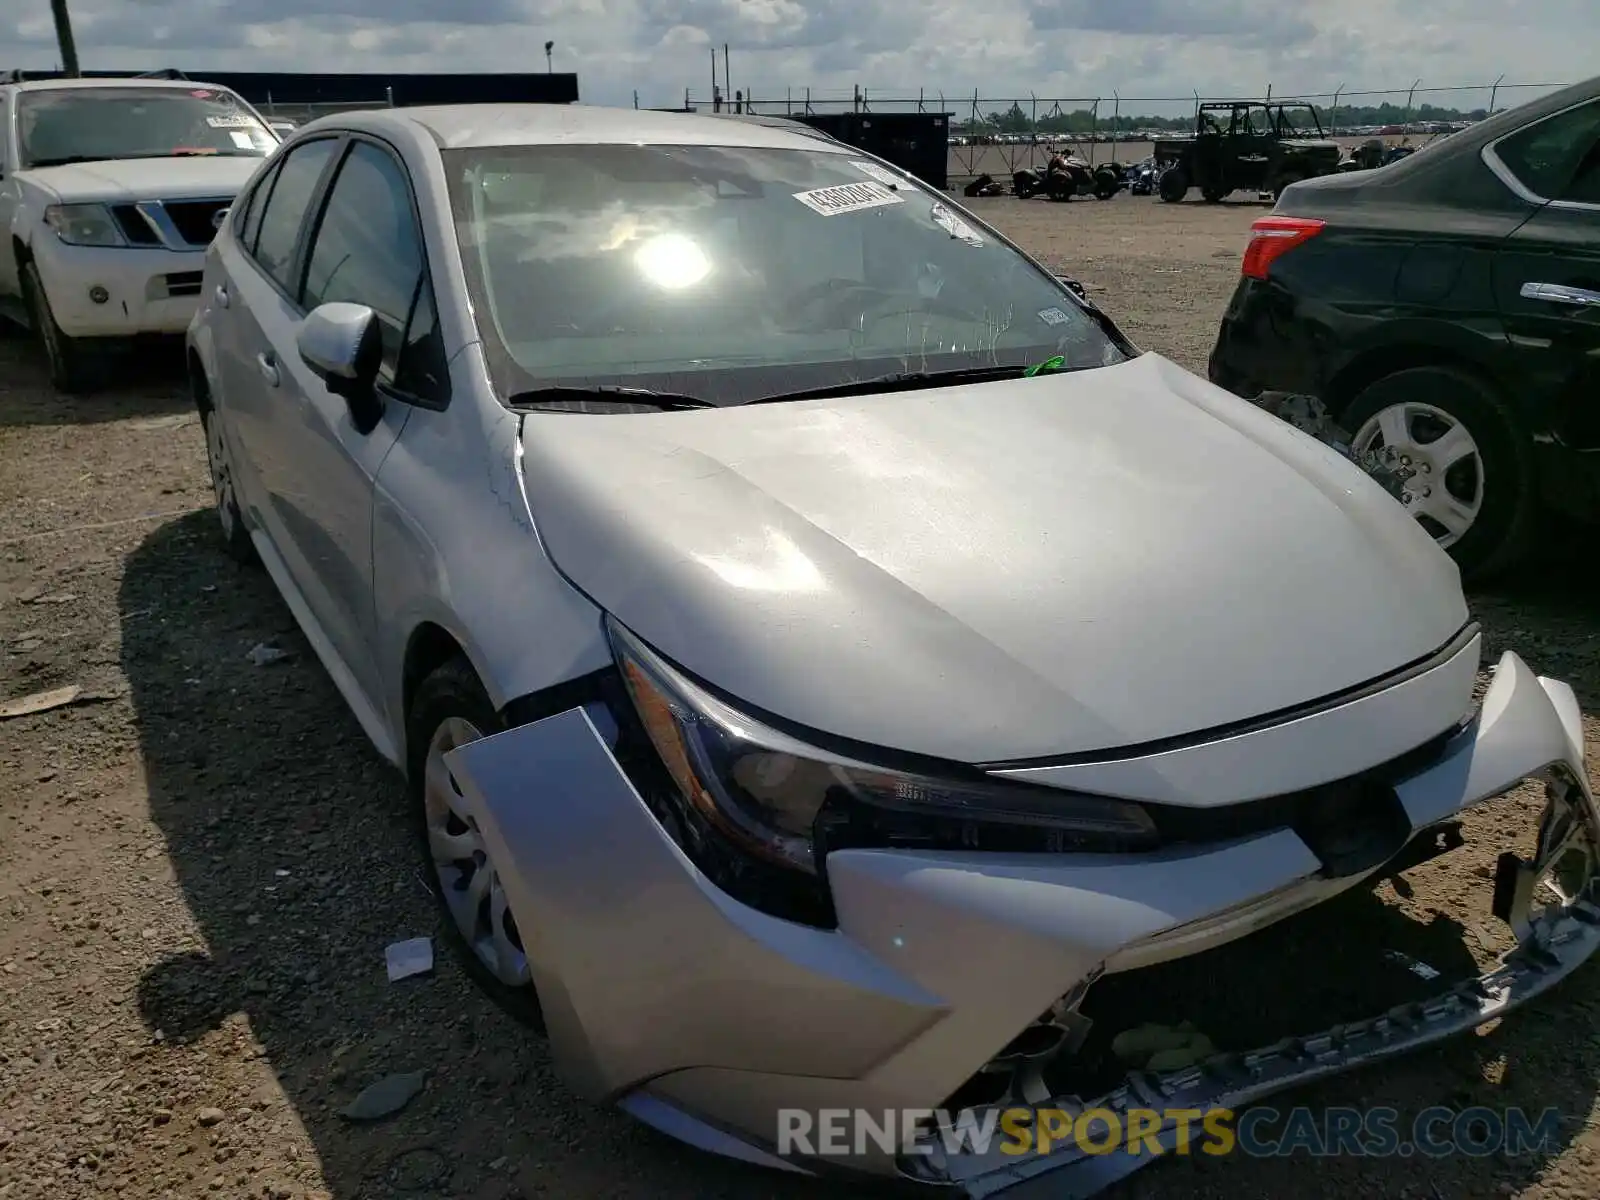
x=110 y=191
x=824 y=654
x=1446 y=309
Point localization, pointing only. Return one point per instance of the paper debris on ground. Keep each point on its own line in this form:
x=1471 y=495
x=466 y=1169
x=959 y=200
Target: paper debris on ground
x=264 y=655
x=40 y=702
x=413 y=956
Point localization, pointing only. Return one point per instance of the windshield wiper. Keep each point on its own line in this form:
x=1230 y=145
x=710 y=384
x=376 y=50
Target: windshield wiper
x=899 y=381
x=605 y=393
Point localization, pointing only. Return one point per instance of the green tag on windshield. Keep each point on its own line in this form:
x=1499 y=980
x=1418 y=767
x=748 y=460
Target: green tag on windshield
x=1049 y=364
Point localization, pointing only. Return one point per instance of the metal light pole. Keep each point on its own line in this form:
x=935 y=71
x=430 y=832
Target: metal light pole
x=548 y=46
x=69 y=48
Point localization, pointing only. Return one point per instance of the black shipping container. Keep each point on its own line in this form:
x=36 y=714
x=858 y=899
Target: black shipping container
x=915 y=142
x=292 y=87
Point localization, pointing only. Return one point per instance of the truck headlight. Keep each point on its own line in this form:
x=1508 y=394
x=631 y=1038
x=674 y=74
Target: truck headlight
x=766 y=791
x=84 y=225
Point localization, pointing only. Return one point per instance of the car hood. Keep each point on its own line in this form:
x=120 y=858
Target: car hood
x=200 y=177
x=997 y=572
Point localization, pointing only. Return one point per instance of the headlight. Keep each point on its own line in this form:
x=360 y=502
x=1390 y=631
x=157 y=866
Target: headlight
x=773 y=795
x=84 y=225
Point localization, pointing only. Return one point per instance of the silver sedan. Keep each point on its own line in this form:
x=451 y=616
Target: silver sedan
x=826 y=657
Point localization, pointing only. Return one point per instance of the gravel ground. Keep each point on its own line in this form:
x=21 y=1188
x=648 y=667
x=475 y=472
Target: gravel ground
x=201 y=861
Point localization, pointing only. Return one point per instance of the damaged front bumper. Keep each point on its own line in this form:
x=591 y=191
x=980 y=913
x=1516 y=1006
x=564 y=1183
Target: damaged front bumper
x=709 y=1019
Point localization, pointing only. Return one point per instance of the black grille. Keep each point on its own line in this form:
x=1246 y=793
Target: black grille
x=193 y=219
x=184 y=283
x=134 y=227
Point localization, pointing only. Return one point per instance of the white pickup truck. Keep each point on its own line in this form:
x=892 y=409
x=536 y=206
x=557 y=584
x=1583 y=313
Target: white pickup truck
x=110 y=192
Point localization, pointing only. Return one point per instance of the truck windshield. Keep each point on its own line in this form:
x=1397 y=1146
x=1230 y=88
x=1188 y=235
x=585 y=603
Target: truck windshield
x=93 y=124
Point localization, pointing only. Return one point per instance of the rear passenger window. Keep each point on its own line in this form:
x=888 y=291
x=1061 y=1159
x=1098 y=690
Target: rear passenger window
x=285 y=210
x=1555 y=157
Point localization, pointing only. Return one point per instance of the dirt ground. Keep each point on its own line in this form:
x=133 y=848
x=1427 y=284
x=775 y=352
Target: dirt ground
x=201 y=861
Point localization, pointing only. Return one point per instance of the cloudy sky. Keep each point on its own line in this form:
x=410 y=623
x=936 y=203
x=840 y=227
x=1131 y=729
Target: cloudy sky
x=1003 y=48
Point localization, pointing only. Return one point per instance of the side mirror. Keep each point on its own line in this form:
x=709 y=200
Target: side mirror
x=343 y=346
x=1073 y=286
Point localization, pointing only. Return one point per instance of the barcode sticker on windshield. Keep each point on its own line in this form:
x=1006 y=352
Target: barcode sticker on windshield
x=874 y=171
x=848 y=197
x=1053 y=316
x=232 y=121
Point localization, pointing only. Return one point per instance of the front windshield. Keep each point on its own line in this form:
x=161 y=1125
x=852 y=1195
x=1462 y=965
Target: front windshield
x=68 y=125
x=732 y=273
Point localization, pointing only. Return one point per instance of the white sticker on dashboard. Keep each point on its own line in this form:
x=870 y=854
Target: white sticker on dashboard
x=848 y=197
x=242 y=139
x=874 y=171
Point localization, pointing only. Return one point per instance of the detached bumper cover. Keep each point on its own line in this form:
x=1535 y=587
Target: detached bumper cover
x=707 y=1017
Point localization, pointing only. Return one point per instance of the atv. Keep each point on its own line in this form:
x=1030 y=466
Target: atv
x=1247 y=144
x=1067 y=175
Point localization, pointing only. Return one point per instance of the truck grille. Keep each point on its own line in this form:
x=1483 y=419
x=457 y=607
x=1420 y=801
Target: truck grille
x=134 y=227
x=193 y=219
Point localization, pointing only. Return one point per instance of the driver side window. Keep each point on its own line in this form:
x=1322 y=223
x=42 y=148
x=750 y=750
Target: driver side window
x=368 y=249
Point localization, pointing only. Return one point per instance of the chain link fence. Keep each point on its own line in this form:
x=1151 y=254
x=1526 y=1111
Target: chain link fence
x=1001 y=135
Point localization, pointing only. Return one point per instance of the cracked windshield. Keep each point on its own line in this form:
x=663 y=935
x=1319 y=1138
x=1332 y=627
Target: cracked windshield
x=75 y=125
x=731 y=274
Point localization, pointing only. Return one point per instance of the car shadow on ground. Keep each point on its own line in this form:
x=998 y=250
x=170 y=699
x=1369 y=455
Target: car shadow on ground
x=148 y=382
x=288 y=839
x=1547 y=609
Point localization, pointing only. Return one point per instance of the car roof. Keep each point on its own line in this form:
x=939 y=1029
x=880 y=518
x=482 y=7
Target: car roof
x=462 y=126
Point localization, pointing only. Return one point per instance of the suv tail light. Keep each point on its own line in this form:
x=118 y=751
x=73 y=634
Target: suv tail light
x=1272 y=237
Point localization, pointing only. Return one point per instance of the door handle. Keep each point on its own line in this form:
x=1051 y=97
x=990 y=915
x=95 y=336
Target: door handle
x=221 y=294
x=268 y=368
x=1560 y=293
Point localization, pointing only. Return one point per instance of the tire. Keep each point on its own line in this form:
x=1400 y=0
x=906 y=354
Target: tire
x=449 y=706
x=1506 y=500
x=72 y=367
x=1105 y=185
x=1214 y=195
x=1174 y=185
x=1284 y=183
x=236 y=541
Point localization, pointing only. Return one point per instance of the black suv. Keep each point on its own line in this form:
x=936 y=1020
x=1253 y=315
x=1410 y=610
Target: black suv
x=1445 y=310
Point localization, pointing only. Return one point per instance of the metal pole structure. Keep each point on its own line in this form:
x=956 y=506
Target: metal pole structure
x=1116 y=122
x=727 y=73
x=715 y=107
x=549 y=67
x=788 y=100
x=64 y=39
x=1494 y=90
x=1269 y=93
x=635 y=97
x=1405 y=125
x=1333 y=117
x=808 y=100
x=1094 y=132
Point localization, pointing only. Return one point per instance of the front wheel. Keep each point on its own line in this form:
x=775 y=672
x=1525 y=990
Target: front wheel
x=449 y=710
x=1174 y=185
x=235 y=537
x=1456 y=458
x=70 y=361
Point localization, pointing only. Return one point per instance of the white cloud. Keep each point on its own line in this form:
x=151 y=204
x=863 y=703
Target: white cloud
x=1012 y=49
